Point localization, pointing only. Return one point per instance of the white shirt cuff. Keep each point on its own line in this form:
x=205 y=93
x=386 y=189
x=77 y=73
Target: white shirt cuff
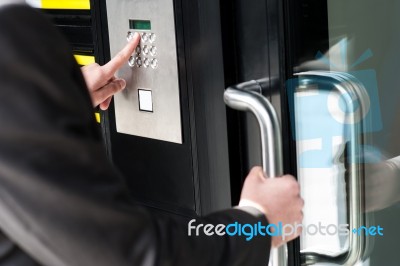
x=256 y=209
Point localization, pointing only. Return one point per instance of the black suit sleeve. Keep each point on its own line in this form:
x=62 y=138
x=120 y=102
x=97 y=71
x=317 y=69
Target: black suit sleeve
x=60 y=199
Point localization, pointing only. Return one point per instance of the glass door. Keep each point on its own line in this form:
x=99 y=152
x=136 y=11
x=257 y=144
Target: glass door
x=343 y=102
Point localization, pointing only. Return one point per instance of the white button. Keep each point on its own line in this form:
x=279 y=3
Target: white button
x=153 y=50
x=131 y=61
x=152 y=37
x=154 y=63
x=139 y=61
x=145 y=49
x=145 y=101
x=145 y=37
x=146 y=62
x=129 y=36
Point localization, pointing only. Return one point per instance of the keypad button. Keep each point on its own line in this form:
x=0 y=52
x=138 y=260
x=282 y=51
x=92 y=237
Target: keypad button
x=145 y=37
x=138 y=49
x=129 y=36
x=152 y=37
x=132 y=61
x=153 y=50
x=154 y=63
x=146 y=62
x=139 y=61
x=145 y=49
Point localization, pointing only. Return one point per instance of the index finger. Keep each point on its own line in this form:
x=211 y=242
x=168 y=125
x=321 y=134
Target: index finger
x=122 y=57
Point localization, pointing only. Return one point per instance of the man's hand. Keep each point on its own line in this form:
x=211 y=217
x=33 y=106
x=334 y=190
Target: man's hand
x=279 y=199
x=101 y=80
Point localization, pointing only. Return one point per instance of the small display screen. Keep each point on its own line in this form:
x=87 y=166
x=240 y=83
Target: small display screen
x=139 y=24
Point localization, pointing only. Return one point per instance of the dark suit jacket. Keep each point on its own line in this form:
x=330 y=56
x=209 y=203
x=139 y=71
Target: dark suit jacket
x=61 y=201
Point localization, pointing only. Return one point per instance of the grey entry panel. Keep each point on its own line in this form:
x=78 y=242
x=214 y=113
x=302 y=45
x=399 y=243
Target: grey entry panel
x=150 y=105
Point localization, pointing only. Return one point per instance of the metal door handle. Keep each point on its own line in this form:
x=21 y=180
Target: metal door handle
x=356 y=95
x=247 y=97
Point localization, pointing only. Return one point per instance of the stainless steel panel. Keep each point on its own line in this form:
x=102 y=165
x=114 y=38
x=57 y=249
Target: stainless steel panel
x=164 y=123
